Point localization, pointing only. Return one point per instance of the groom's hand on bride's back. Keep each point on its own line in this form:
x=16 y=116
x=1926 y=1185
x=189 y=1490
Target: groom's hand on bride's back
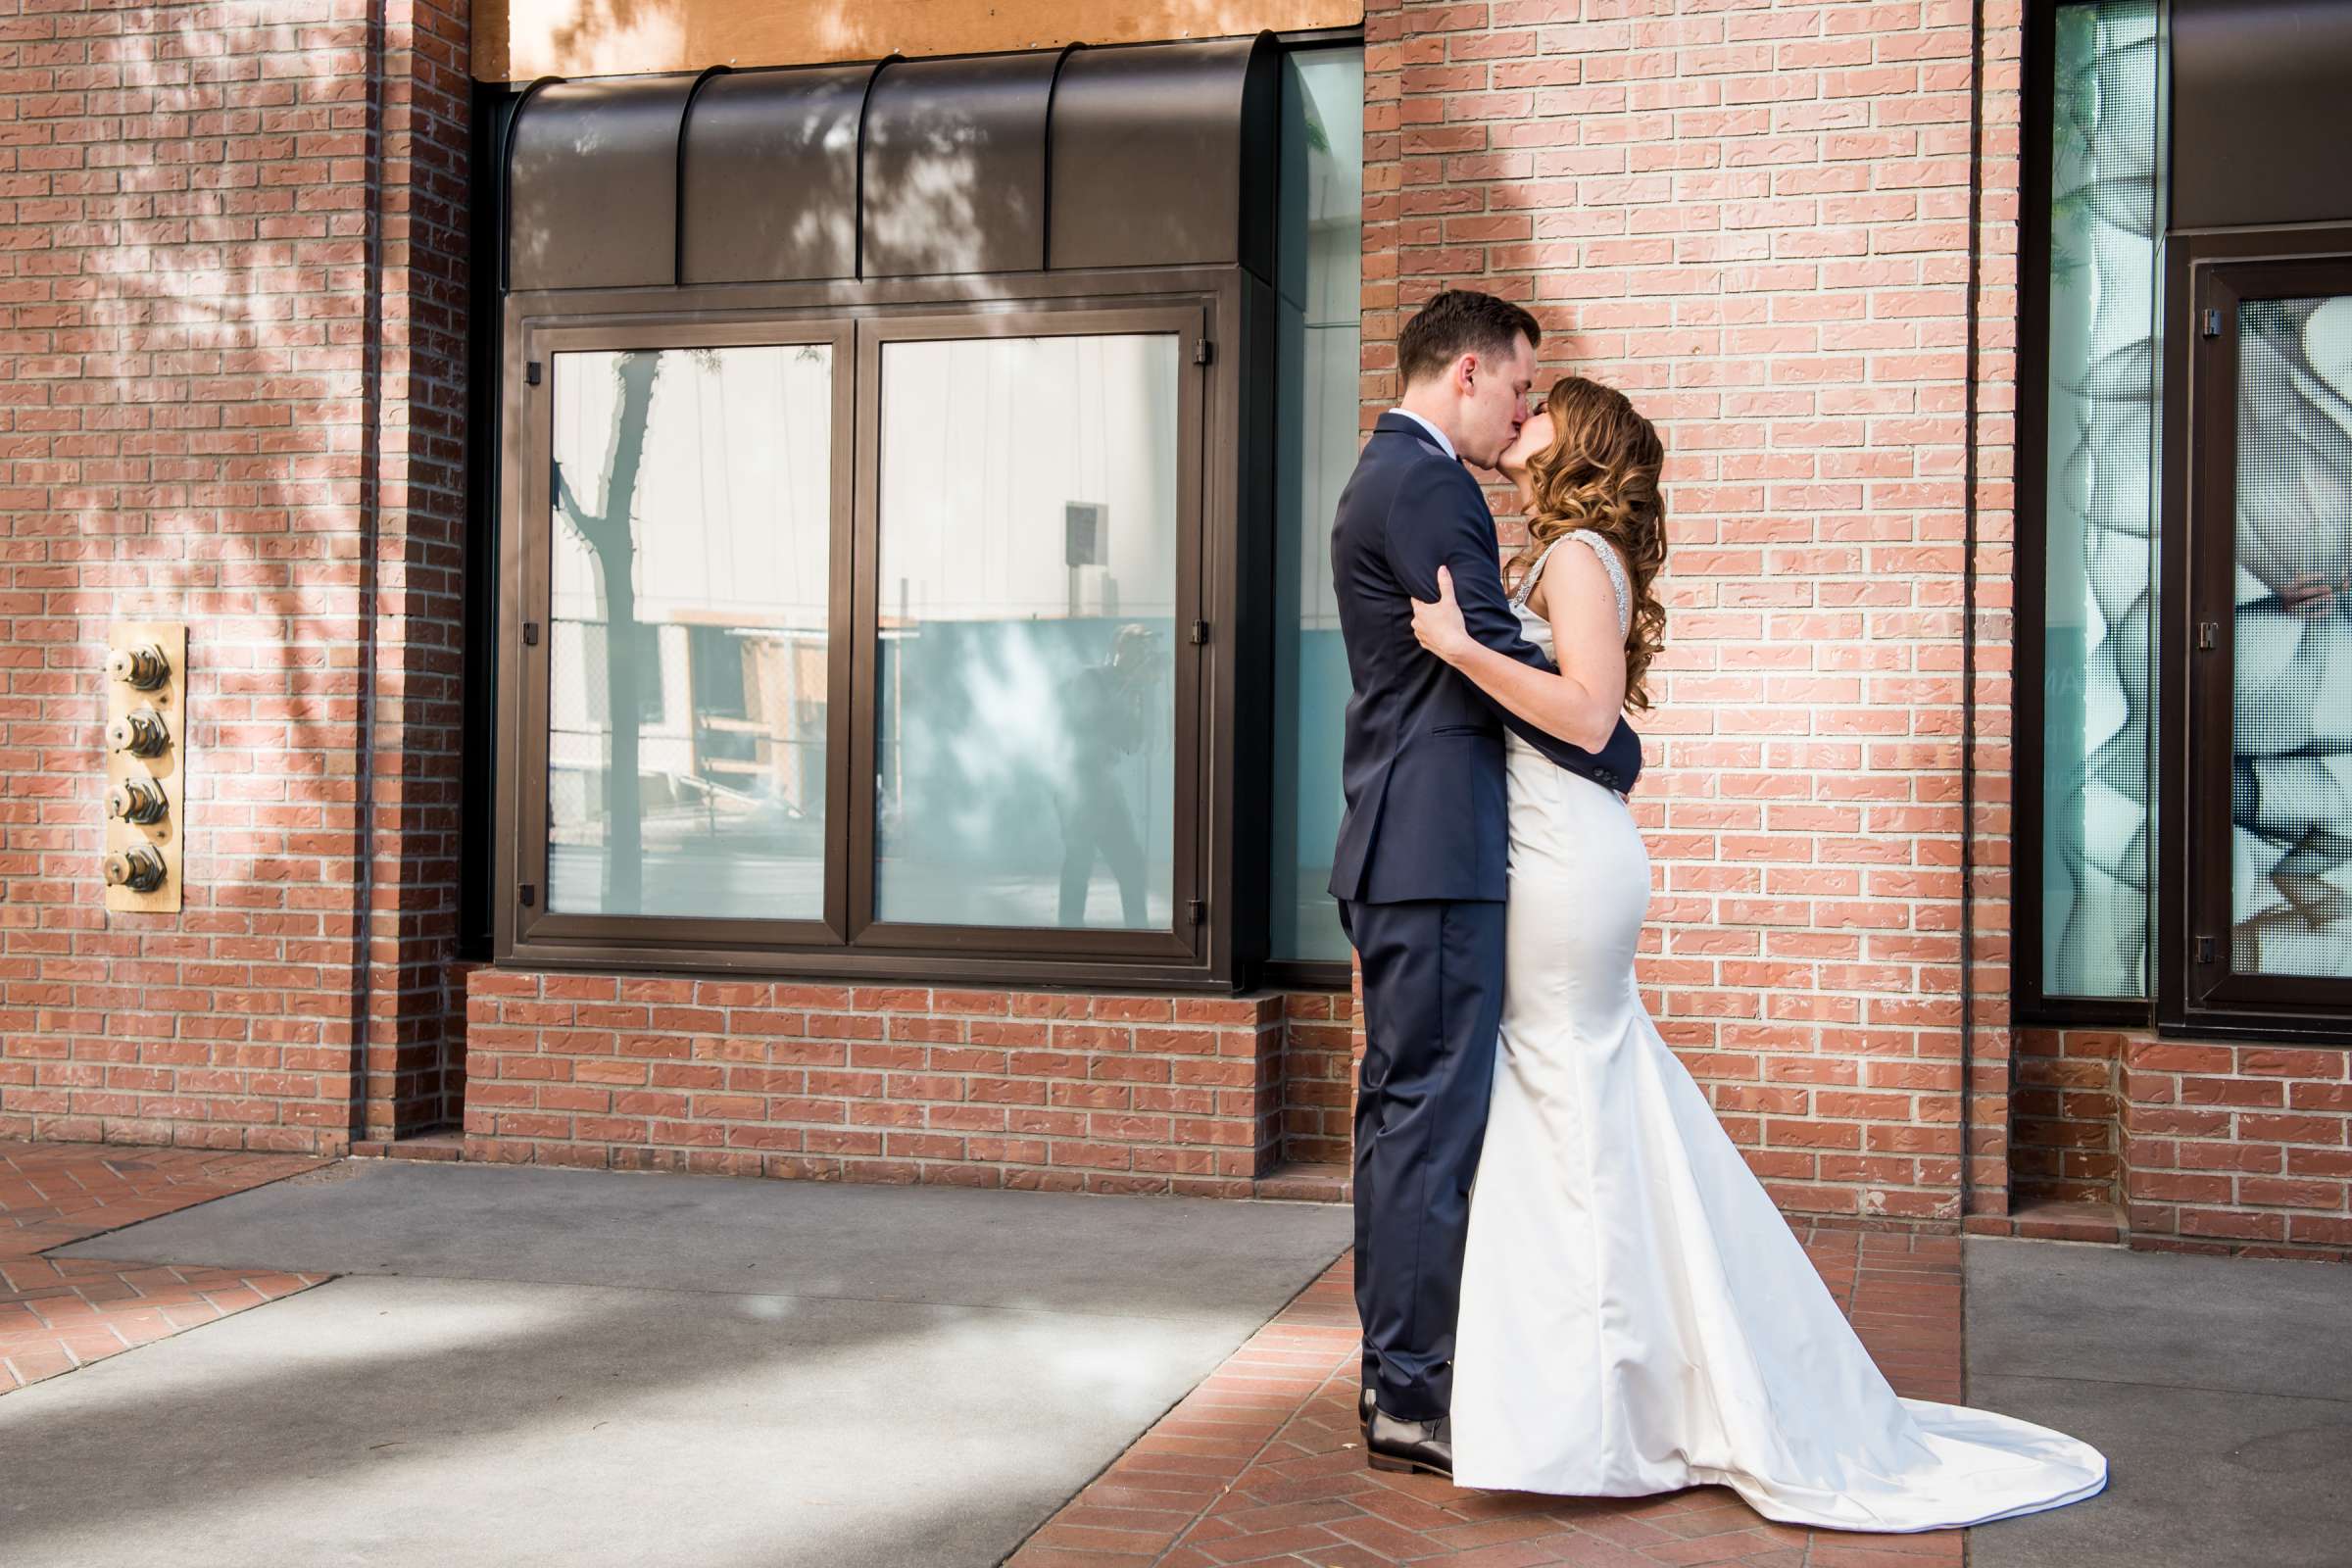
x=1438 y=626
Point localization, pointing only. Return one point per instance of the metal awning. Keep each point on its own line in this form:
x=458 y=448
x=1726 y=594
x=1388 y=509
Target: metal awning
x=1142 y=154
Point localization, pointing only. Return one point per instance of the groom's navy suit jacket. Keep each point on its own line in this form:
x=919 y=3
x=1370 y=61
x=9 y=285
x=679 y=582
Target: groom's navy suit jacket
x=1422 y=765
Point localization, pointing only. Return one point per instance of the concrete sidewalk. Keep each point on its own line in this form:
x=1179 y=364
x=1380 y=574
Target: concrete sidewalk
x=2219 y=1387
x=511 y=1366
x=588 y=1368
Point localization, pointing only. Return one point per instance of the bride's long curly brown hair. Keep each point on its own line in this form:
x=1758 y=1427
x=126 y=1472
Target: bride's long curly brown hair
x=1601 y=473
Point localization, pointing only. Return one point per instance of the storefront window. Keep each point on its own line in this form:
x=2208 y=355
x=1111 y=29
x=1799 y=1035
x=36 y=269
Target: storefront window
x=858 y=619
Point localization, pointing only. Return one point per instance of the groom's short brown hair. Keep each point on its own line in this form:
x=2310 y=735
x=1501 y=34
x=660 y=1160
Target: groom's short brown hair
x=1460 y=321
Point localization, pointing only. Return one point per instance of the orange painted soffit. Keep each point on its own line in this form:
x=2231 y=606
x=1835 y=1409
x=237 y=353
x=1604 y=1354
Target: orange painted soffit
x=521 y=40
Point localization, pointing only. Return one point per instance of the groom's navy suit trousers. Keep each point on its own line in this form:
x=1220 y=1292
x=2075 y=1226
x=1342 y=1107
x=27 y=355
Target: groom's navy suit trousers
x=1420 y=875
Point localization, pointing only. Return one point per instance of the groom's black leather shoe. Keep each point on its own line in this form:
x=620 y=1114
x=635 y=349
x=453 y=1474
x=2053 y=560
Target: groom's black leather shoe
x=1365 y=1404
x=1412 y=1447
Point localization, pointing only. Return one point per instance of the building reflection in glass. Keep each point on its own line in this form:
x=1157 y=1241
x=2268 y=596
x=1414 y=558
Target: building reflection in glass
x=1026 y=693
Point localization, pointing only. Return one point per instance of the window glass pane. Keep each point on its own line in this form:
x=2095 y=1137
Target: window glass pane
x=1322 y=248
x=2099 y=493
x=2292 y=801
x=686 y=658
x=1028 y=562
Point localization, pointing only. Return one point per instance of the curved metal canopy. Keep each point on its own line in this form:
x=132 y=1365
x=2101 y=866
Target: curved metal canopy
x=1142 y=154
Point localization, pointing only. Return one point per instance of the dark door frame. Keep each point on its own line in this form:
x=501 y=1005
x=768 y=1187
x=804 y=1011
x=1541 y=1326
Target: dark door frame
x=2214 y=271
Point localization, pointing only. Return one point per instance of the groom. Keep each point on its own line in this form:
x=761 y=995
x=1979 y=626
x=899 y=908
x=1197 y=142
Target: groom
x=1420 y=864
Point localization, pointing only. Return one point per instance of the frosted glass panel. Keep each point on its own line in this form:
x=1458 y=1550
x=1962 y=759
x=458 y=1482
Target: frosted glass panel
x=1322 y=246
x=1027 y=583
x=686 y=657
x=2099 y=503
x=2291 y=799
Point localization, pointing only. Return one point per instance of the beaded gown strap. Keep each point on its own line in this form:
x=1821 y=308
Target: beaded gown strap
x=1609 y=561
x=1617 y=578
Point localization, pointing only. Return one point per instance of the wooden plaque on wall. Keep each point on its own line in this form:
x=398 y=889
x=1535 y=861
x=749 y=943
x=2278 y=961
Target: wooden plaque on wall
x=521 y=40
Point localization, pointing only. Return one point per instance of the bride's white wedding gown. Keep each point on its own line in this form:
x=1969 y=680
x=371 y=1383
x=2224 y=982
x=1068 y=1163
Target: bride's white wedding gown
x=1637 y=1316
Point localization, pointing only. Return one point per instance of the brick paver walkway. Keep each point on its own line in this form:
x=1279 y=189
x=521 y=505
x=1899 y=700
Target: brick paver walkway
x=58 y=1314
x=1261 y=1464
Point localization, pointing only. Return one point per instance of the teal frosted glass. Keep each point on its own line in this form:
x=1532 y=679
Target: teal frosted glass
x=2099 y=502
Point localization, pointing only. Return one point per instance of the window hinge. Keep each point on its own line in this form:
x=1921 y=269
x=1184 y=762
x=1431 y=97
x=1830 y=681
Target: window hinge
x=530 y=894
x=530 y=634
x=1199 y=909
x=2208 y=635
x=1203 y=351
x=530 y=374
x=1200 y=633
x=2205 y=946
x=2213 y=323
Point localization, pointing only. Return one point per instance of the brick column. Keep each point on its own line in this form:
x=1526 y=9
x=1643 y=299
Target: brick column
x=415 y=1005
x=210 y=420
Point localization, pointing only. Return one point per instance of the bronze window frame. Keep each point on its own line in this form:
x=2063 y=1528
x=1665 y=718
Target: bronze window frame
x=531 y=584
x=2217 y=271
x=858 y=317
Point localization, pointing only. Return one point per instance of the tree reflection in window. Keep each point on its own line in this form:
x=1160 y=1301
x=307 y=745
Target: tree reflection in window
x=687 y=635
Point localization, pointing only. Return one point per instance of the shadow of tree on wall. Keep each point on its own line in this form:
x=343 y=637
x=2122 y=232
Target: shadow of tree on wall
x=216 y=422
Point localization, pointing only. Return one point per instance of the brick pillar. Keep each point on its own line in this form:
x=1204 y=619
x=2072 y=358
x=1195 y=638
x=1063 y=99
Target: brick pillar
x=415 y=1006
x=212 y=418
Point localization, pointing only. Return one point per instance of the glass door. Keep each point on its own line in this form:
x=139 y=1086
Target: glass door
x=2270 y=722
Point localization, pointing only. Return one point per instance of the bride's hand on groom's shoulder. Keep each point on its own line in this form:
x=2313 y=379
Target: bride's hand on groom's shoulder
x=1439 y=627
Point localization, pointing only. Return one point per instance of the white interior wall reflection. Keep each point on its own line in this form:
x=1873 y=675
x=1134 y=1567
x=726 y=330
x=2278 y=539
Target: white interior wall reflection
x=2099 y=508
x=690 y=541
x=2291 y=799
x=1026 y=709
x=1320 y=310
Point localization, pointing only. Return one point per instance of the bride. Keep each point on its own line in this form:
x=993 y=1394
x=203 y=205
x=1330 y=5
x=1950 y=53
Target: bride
x=1635 y=1315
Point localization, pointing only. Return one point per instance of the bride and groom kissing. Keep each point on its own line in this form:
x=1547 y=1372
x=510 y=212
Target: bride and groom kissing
x=1569 y=1279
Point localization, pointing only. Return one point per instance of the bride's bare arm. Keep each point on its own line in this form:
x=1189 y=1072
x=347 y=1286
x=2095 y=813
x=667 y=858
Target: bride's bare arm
x=1580 y=705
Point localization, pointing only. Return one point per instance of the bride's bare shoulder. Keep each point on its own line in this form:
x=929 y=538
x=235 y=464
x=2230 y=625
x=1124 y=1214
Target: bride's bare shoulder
x=1581 y=569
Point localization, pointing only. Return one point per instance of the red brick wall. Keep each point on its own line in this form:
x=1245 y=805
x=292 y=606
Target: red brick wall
x=214 y=416
x=2068 y=1142
x=1322 y=1044
x=1045 y=1091
x=1756 y=221
x=2237 y=1147
x=231 y=301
